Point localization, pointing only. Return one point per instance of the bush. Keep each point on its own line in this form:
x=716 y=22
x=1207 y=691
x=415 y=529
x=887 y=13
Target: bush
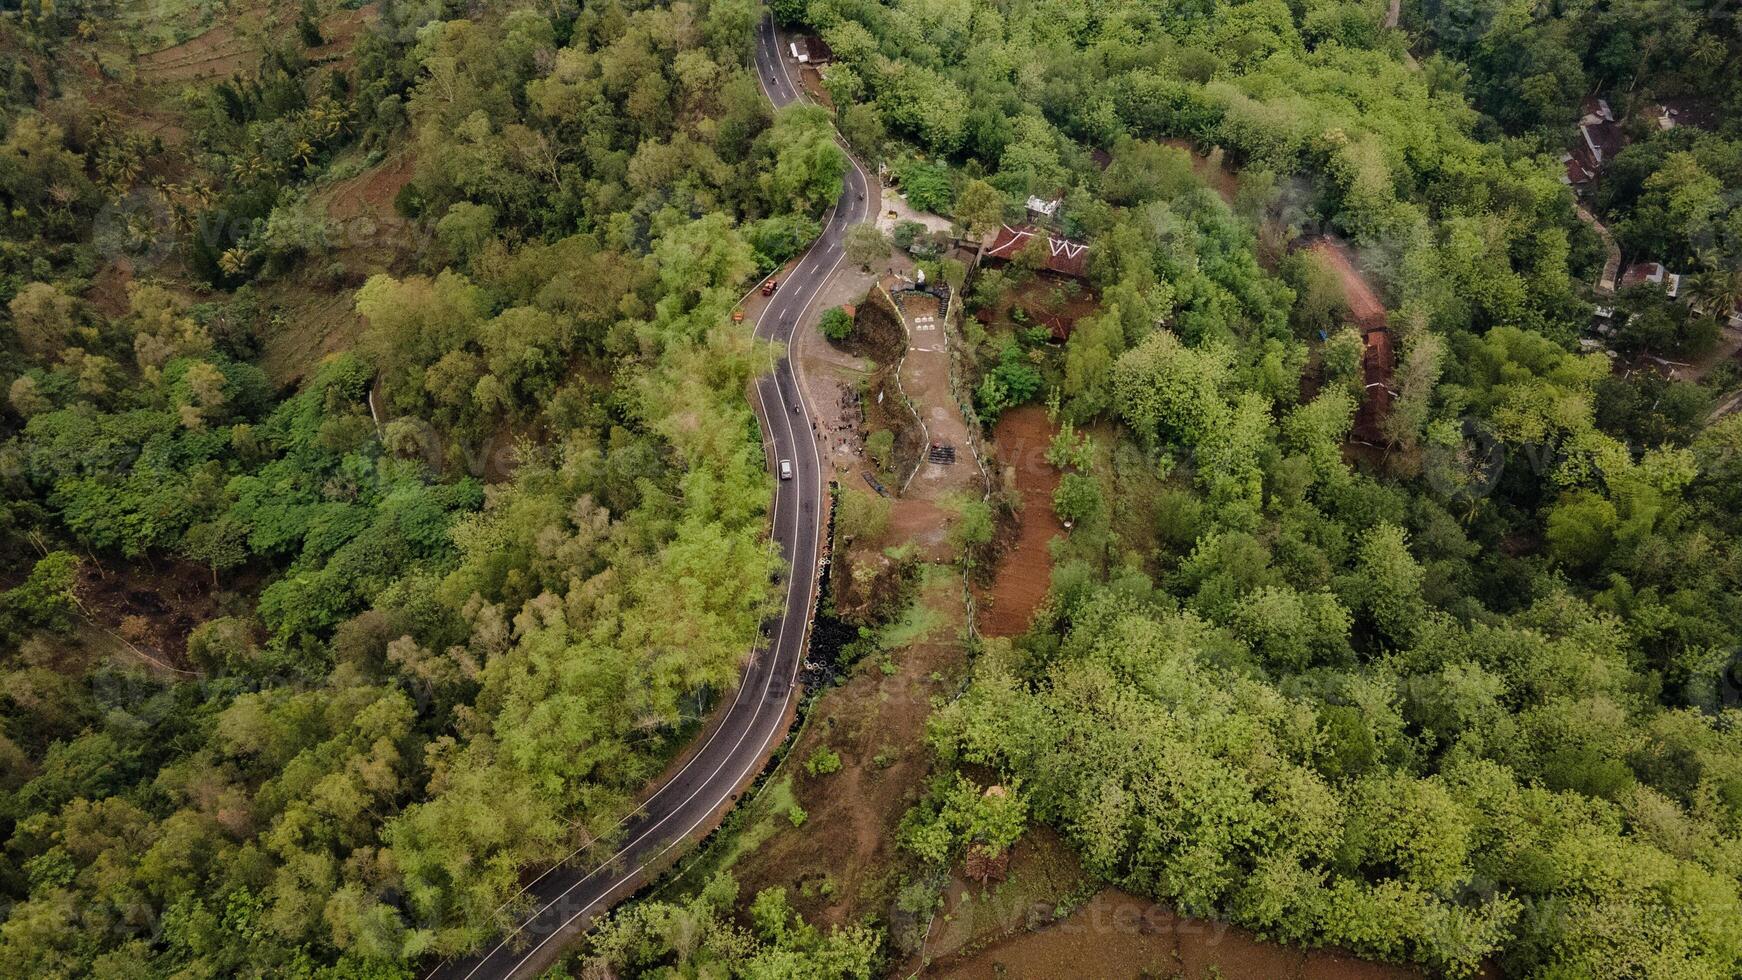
x=222 y=646
x=1077 y=499
x=776 y=239
x=836 y=324
x=863 y=516
x=294 y=230
x=975 y=529
x=46 y=599
x=466 y=229
x=1013 y=382
x=823 y=762
x=927 y=187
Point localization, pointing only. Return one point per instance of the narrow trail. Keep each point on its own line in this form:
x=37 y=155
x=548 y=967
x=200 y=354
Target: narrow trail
x=1611 y=264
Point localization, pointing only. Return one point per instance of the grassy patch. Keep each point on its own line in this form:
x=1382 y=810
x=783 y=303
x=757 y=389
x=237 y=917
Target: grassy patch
x=921 y=619
x=762 y=817
x=1045 y=883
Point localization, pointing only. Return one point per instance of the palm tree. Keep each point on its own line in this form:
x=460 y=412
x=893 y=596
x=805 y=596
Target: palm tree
x=1718 y=293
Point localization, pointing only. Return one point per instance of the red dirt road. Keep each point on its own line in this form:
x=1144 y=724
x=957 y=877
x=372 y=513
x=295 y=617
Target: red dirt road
x=1364 y=304
x=1025 y=571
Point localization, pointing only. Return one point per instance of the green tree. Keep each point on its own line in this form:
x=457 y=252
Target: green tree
x=980 y=208
x=1142 y=171
x=836 y=324
x=42 y=317
x=1581 y=529
x=1078 y=499
x=865 y=245
x=926 y=186
x=47 y=599
x=808 y=164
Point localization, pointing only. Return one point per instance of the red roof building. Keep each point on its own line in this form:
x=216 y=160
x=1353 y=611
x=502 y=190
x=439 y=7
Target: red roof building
x=1599 y=140
x=1061 y=256
x=1652 y=273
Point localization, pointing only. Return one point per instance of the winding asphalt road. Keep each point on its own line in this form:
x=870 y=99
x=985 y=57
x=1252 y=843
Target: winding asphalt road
x=571 y=894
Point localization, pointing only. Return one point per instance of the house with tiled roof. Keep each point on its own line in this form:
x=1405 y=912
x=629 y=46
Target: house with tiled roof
x=1599 y=139
x=1652 y=273
x=1060 y=256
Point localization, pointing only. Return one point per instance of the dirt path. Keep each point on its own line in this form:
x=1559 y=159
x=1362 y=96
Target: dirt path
x=1730 y=403
x=1728 y=346
x=1025 y=571
x=1364 y=305
x=1393 y=14
x=1612 y=261
x=925 y=379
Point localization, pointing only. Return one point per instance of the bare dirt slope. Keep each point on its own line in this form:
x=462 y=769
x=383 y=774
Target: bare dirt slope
x=839 y=865
x=1025 y=569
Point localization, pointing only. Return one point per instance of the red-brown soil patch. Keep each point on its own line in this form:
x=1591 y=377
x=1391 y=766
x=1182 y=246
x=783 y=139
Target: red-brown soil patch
x=229 y=47
x=371 y=193
x=922 y=523
x=1378 y=358
x=878 y=334
x=108 y=292
x=340 y=31
x=1047 y=301
x=1364 y=305
x=235 y=43
x=1025 y=569
x=154 y=609
x=812 y=80
x=315 y=324
x=837 y=868
x=1117 y=935
x=1211 y=168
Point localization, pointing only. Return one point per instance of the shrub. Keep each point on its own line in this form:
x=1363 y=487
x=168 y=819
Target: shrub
x=927 y=187
x=1077 y=499
x=837 y=324
x=823 y=762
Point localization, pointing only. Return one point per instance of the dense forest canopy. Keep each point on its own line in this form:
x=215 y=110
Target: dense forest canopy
x=1475 y=705
x=420 y=682
x=1459 y=691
